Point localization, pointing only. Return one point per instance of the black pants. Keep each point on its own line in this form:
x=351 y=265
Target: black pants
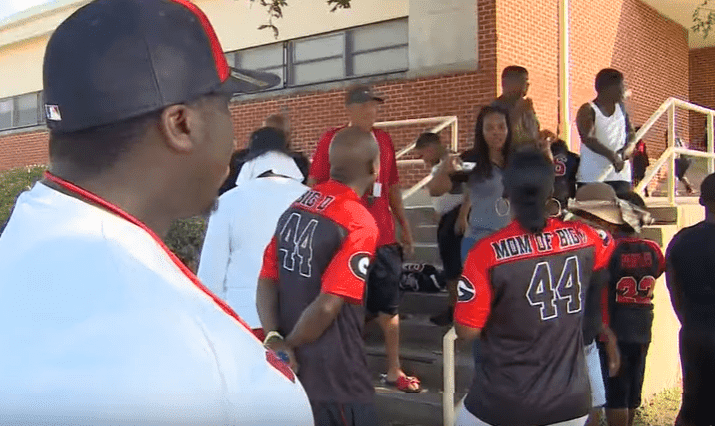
x=450 y=245
x=697 y=356
x=336 y=414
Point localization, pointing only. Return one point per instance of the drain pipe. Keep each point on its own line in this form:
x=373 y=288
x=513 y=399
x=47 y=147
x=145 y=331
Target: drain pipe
x=564 y=74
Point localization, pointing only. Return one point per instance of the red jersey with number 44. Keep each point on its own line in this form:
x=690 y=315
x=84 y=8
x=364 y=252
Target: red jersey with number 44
x=323 y=244
x=526 y=292
x=635 y=266
x=377 y=201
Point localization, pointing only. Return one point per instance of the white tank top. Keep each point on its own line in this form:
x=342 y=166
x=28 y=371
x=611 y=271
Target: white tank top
x=611 y=132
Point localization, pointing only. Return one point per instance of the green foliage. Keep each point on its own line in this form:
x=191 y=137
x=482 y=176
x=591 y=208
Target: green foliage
x=704 y=18
x=275 y=11
x=185 y=238
x=12 y=184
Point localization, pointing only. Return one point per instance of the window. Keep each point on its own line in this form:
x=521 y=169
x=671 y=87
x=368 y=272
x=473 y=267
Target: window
x=369 y=50
x=21 y=111
x=6 y=112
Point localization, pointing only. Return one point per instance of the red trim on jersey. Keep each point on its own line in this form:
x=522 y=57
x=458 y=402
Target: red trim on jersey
x=88 y=196
x=221 y=65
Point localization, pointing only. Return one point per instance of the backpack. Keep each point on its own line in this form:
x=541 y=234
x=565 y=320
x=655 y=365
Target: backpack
x=422 y=277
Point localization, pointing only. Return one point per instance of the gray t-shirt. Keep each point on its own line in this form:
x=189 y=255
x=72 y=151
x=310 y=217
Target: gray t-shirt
x=483 y=195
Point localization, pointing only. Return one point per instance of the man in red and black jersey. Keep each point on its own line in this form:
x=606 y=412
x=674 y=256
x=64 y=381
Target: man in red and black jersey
x=628 y=300
x=312 y=285
x=523 y=292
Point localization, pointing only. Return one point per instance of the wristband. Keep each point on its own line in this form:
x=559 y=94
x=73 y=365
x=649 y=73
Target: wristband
x=271 y=335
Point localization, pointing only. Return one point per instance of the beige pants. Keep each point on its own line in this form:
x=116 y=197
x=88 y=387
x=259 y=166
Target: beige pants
x=465 y=418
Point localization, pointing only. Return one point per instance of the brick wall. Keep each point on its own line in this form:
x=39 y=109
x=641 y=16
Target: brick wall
x=702 y=90
x=23 y=149
x=651 y=50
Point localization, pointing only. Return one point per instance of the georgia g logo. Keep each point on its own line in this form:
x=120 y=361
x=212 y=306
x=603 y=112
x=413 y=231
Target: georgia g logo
x=604 y=236
x=359 y=263
x=465 y=290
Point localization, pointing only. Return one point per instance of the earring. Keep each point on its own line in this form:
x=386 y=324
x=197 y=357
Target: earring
x=554 y=212
x=502 y=207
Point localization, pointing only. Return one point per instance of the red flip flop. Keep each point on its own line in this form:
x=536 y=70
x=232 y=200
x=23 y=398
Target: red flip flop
x=403 y=383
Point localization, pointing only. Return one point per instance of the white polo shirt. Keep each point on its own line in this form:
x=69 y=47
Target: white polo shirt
x=237 y=235
x=101 y=327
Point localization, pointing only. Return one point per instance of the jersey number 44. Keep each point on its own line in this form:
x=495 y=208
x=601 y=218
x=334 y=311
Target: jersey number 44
x=543 y=294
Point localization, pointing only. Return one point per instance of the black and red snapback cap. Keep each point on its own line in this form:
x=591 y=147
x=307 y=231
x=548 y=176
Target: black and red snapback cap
x=113 y=60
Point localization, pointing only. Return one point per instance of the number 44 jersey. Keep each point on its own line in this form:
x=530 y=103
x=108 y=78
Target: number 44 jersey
x=526 y=292
x=324 y=243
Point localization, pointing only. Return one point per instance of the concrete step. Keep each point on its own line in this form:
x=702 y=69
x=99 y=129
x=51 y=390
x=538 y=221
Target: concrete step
x=419 y=198
x=661 y=234
x=421 y=215
x=425 y=252
x=664 y=214
x=395 y=408
x=415 y=330
x=426 y=364
x=424 y=233
x=426 y=304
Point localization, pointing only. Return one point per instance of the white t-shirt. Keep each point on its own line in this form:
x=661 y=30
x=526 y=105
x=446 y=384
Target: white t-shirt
x=237 y=235
x=101 y=327
x=449 y=200
x=611 y=132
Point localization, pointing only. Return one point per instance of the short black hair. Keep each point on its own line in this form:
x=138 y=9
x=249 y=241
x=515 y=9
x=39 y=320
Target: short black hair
x=608 y=77
x=426 y=139
x=266 y=139
x=97 y=149
x=514 y=71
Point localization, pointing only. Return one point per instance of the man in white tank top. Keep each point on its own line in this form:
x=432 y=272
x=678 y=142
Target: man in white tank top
x=606 y=135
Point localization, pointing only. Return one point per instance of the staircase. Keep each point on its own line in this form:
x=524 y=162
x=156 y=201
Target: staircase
x=420 y=340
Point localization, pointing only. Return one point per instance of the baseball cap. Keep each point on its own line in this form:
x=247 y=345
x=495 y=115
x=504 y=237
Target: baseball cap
x=361 y=94
x=113 y=60
x=707 y=189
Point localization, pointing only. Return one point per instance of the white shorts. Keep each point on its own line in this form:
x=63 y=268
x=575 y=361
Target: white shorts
x=595 y=375
x=465 y=418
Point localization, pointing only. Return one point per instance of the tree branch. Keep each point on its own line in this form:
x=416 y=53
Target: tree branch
x=704 y=18
x=274 y=9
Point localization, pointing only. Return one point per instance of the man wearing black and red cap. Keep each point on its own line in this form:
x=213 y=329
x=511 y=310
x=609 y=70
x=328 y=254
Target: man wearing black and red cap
x=103 y=325
x=690 y=268
x=383 y=201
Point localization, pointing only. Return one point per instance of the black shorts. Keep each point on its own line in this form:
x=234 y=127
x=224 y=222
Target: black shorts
x=336 y=414
x=383 y=280
x=624 y=390
x=697 y=352
x=450 y=245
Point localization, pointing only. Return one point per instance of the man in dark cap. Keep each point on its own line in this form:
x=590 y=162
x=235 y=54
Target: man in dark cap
x=690 y=272
x=103 y=325
x=383 y=201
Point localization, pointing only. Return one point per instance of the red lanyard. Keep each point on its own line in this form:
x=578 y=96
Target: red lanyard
x=88 y=196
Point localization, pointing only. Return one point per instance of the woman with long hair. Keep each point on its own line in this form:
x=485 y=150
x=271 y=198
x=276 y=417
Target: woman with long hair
x=522 y=295
x=483 y=210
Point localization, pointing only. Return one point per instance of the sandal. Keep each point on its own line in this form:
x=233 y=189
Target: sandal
x=403 y=383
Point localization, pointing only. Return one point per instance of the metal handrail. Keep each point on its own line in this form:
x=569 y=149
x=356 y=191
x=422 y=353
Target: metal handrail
x=671 y=151
x=444 y=122
x=449 y=388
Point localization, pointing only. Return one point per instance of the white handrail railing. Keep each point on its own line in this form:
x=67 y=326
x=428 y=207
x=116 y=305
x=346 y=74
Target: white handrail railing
x=669 y=155
x=449 y=388
x=444 y=122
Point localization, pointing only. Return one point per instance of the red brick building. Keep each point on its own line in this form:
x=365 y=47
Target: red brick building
x=643 y=38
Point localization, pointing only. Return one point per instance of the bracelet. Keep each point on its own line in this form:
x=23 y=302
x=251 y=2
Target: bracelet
x=271 y=335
